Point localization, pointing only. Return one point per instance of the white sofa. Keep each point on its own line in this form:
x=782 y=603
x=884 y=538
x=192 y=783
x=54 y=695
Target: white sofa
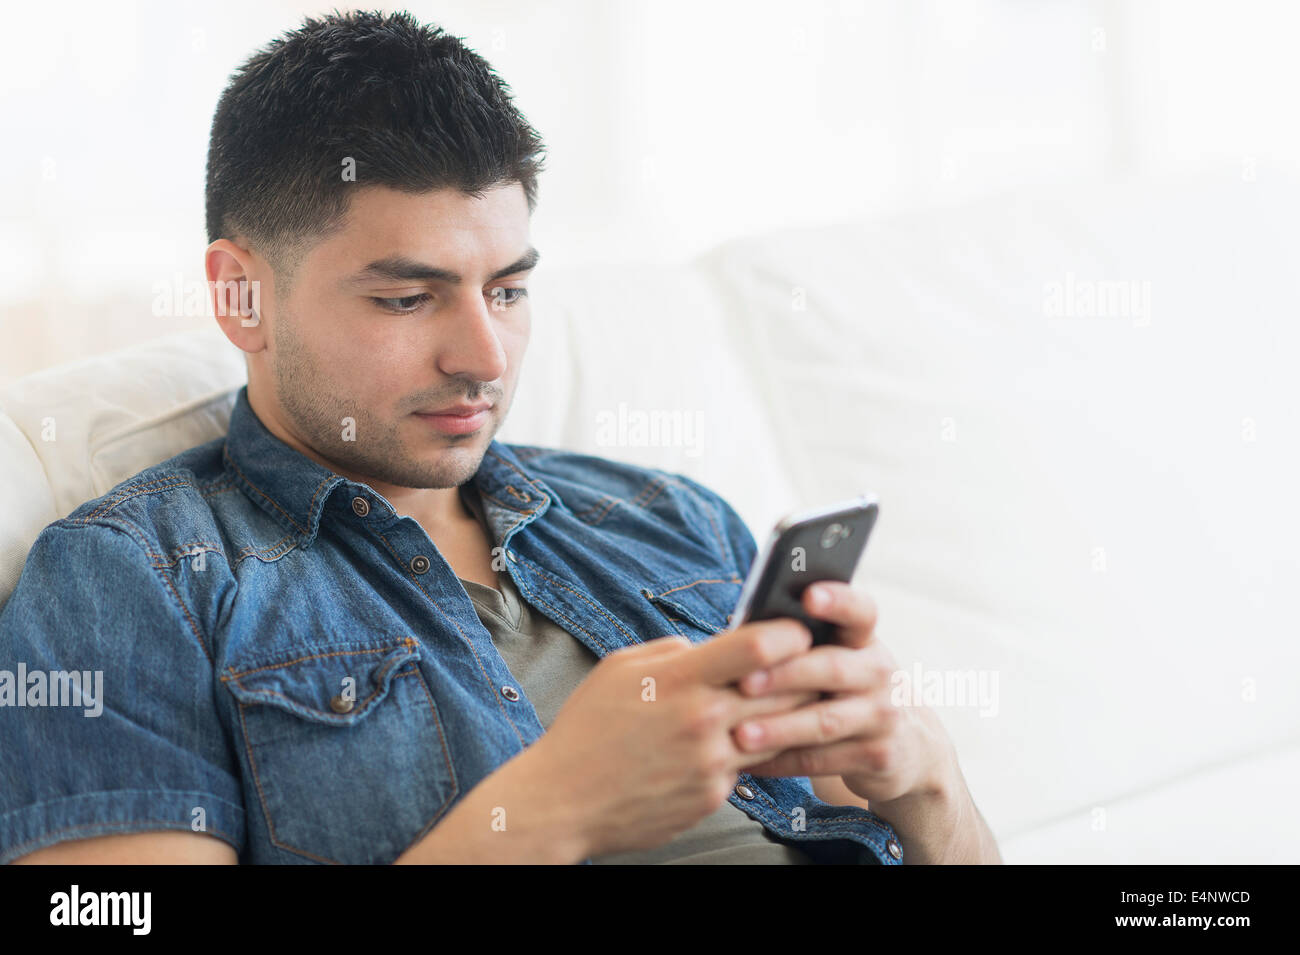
x=1097 y=510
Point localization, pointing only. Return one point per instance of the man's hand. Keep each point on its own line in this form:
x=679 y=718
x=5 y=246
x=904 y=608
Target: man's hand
x=898 y=759
x=882 y=752
x=643 y=748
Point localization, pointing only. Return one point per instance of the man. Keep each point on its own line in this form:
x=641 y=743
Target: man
x=358 y=629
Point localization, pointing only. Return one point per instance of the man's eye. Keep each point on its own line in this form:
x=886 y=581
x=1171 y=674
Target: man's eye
x=506 y=297
x=408 y=303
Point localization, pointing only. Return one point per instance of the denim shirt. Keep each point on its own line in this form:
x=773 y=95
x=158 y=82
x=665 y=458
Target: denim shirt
x=289 y=665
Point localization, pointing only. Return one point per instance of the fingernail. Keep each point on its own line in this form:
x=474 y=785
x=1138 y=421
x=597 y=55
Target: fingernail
x=758 y=679
x=751 y=733
x=820 y=598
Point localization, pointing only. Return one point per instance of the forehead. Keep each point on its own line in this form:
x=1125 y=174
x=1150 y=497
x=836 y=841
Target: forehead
x=438 y=224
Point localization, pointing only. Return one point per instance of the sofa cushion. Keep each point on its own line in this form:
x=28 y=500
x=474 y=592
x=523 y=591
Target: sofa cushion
x=90 y=424
x=1090 y=502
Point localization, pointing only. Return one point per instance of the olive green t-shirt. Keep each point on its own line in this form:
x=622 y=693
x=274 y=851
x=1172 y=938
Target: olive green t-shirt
x=549 y=663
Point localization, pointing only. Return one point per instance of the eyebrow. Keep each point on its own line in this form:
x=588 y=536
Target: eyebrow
x=400 y=268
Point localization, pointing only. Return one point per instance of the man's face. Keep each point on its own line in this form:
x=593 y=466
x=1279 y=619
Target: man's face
x=352 y=374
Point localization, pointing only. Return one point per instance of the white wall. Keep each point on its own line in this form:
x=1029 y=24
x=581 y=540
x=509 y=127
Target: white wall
x=671 y=124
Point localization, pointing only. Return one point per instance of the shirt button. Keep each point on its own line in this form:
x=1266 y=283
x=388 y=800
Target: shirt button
x=894 y=848
x=511 y=555
x=341 y=704
x=360 y=506
x=510 y=693
x=744 y=792
x=420 y=564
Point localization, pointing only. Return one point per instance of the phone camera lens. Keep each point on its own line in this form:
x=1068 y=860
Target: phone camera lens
x=835 y=533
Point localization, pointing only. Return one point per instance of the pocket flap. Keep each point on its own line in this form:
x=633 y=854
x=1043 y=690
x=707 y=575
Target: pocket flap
x=336 y=684
x=703 y=602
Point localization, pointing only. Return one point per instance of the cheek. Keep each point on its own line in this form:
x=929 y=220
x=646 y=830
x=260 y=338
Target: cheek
x=367 y=351
x=514 y=341
x=362 y=368
x=329 y=333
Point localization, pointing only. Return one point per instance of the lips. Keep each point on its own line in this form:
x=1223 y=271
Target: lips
x=456 y=420
x=460 y=411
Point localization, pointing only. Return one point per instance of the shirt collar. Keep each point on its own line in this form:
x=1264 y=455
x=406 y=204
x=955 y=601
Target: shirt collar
x=294 y=489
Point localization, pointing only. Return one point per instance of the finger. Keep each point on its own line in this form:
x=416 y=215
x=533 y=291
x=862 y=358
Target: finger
x=752 y=646
x=673 y=642
x=853 y=612
x=832 y=759
x=746 y=707
x=654 y=658
x=742 y=760
x=838 y=718
x=833 y=669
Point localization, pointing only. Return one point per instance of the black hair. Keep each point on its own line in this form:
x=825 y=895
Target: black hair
x=410 y=105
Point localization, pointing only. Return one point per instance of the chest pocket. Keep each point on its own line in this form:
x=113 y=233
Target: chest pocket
x=698 y=607
x=345 y=747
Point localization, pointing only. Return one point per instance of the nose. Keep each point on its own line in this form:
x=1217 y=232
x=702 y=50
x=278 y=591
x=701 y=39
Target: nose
x=468 y=343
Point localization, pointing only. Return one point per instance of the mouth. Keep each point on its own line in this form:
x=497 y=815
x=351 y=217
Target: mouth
x=459 y=419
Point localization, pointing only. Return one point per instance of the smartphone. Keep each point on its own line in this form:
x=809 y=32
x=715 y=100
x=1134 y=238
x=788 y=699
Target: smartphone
x=803 y=548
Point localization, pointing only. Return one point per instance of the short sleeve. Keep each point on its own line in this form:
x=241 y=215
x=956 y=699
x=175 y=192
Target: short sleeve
x=108 y=715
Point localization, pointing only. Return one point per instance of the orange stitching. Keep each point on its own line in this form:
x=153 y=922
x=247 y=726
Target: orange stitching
x=656 y=484
x=598 y=511
x=266 y=813
x=220 y=485
x=596 y=606
x=364 y=702
x=225 y=453
x=235 y=675
x=160 y=571
x=526 y=478
x=509 y=507
x=446 y=757
x=709 y=580
x=185 y=550
x=723 y=549
x=590 y=515
x=269 y=552
x=179 y=549
x=674 y=622
x=646 y=502
x=185 y=610
x=135 y=491
x=837 y=825
x=821 y=825
x=311 y=505
x=129 y=529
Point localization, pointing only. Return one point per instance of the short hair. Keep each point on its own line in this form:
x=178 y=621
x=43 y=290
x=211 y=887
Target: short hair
x=410 y=106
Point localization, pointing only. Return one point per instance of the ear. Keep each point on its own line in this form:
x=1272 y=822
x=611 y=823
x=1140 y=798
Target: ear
x=236 y=295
